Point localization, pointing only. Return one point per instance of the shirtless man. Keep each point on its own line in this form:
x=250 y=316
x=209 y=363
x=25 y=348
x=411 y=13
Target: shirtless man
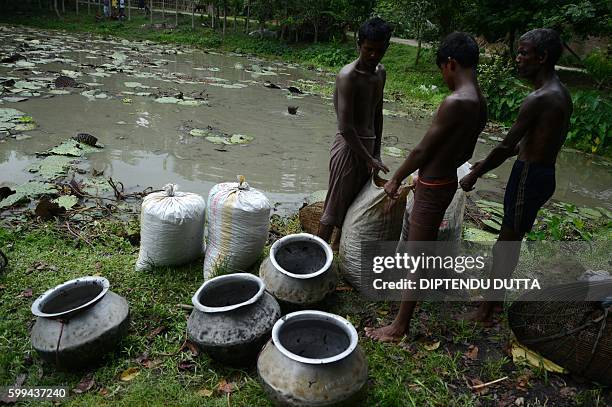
x=536 y=136
x=358 y=100
x=448 y=143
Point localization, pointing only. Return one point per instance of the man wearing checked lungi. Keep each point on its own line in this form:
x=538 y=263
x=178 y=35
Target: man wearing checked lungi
x=358 y=100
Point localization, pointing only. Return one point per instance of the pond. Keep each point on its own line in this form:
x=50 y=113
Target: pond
x=167 y=113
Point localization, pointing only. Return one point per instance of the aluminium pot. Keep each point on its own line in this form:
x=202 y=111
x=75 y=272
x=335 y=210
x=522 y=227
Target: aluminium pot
x=232 y=318
x=299 y=271
x=313 y=359
x=78 y=322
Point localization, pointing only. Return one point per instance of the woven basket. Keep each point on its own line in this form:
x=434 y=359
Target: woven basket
x=567 y=325
x=310 y=215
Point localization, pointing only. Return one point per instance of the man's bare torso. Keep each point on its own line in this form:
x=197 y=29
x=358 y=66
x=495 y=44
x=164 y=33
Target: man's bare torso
x=367 y=93
x=547 y=133
x=459 y=144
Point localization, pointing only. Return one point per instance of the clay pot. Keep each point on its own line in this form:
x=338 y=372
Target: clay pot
x=232 y=318
x=78 y=321
x=313 y=359
x=299 y=271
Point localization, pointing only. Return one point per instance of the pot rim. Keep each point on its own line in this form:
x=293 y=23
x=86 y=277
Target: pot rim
x=216 y=280
x=329 y=255
x=337 y=320
x=49 y=294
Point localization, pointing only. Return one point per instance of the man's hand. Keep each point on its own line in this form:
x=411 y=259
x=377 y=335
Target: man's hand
x=467 y=183
x=391 y=188
x=377 y=165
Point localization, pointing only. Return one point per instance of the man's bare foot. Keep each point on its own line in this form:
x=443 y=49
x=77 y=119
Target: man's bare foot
x=483 y=315
x=389 y=333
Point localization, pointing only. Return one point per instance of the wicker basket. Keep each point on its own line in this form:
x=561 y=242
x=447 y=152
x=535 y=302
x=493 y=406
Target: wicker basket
x=310 y=215
x=569 y=326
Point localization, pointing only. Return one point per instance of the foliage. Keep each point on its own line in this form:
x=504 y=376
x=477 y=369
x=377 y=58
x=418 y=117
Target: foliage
x=503 y=90
x=569 y=222
x=599 y=66
x=590 y=125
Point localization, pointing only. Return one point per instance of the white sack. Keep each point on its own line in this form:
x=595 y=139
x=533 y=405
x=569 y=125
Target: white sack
x=366 y=220
x=171 y=228
x=238 y=221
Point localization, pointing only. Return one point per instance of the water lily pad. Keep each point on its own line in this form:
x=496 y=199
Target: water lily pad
x=27 y=190
x=126 y=100
x=14 y=99
x=394 y=152
x=24 y=64
x=135 y=85
x=72 y=148
x=240 y=139
x=167 y=100
x=192 y=102
x=7 y=126
x=317 y=196
x=20 y=137
x=478 y=235
x=66 y=201
x=604 y=211
x=238 y=65
x=490 y=175
x=8 y=114
x=218 y=139
x=101 y=96
x=589 y=213
x=495 y=138
x=490 y=223
x=199 y=132
x=485 y=203
x=52 y=166
x=230 y=85
x=59 y=92
x=28 y=85
x=25 y=126
x=96 y=186
x=142 y=93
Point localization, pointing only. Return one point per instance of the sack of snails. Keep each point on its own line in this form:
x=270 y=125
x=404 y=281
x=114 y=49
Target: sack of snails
x=171 y=228
x=238 y=221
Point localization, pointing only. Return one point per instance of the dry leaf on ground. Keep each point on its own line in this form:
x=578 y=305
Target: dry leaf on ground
x=129 y=374
x=85 y=384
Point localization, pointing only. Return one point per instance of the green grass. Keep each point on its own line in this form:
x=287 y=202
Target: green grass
x=41 y=256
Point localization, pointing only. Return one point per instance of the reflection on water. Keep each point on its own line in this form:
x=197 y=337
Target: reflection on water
x=148 y=144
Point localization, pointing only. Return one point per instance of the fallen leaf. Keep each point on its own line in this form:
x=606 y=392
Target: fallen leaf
x=129 y=374
x=193 y=348
x=156 y=332
x=522 y=382
x=152 y=364
x=523 y=354
x=85 y=384
x=344 y=288
x=431 y=345
x=103 y=391
x=478 y=390
x=224 y=387
x=46 y=209
x=27 y=293
x=520 y=401
x=472 y=352
x=186 y=365
x=567 y=392
x=205 y=392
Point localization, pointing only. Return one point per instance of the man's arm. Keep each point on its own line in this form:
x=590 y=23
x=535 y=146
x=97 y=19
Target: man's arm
x=448 y=115
x=508 y=147
x=378 y=118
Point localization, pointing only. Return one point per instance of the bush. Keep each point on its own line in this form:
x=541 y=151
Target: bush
x=599 y=66
x=590 y=122
x=504 y=92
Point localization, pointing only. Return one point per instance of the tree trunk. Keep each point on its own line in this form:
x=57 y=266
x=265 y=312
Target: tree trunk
x=63 y=6
x=212 y=14
x=129 y=10
x=163 y=11
x=235 y=17
x=193 y=16
x=248 y=17
x=224 y=17
x=176 y=13
x=316 y=30
x=88 y=6
x=151 y=11
x=420 y=40
x=76 y=3
x=56 y=9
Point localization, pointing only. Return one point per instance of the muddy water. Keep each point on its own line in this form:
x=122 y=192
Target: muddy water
x=148 y=143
